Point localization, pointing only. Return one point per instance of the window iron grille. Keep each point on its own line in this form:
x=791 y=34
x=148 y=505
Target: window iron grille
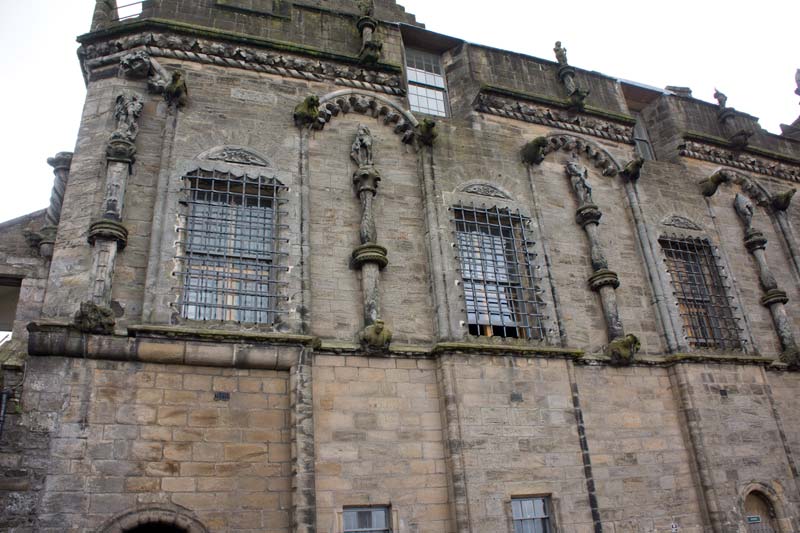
x=531 y=515
x=497 y=268
x=367 y=520
x=703 y=304
x=426 y=86
x=231 y=248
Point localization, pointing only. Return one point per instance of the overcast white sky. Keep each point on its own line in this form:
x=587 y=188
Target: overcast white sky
x=750 y=53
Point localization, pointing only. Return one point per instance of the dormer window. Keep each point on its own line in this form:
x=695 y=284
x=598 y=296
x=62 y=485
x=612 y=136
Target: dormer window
x=426 y=88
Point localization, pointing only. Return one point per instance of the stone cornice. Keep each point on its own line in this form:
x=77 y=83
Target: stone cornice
x=538 y=109
x=184 y=42
x=716 y=150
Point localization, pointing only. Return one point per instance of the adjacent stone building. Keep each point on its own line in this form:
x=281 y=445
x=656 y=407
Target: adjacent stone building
x=314 y=268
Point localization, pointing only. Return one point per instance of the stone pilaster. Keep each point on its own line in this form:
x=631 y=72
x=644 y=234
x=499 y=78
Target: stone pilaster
x=774 y=298
x=47 y=235
x=304 y=514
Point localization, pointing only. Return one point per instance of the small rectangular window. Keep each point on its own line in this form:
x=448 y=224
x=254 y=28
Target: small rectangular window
x=426 y=88
x=703 y=304
x=229 y=262
x=367 y=520
x=531 y=515
x=500 y=290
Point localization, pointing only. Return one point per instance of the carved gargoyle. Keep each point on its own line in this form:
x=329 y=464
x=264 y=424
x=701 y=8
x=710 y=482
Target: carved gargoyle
x=376 y=337
x=780 y=202
x=176 y=92
x=740 y=139
x=306 y=112
x=622 y=350
x=633 y=169
x=370 y=52
x=425 y=132
x=709 y=185
x=94 y=319
x=533 y=151
x=577 y=100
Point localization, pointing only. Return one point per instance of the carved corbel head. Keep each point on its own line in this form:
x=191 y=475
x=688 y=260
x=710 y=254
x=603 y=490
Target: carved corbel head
x=633 y=169
x=306 y=112
x=710 y=185
x=135 y=65
x=533 y=151
x=623 y=350
x=780 y=202
x=426 y=133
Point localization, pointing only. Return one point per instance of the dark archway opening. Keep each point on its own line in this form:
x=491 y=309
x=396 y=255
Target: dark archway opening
x=159 y=527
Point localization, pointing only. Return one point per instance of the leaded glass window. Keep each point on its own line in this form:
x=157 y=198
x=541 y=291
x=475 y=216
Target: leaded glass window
x=229 y=261
x=703 y=303
x=496 y=264
x=426 y=87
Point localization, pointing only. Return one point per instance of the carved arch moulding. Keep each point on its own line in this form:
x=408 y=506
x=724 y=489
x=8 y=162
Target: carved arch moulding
x=319 y=111
x=162 y=515
x=536 y=150
x=750 y=186
x=239 y=155
x=484 y=189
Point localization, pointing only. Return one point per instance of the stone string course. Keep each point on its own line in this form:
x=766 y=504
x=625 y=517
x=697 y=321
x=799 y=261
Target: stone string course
x=749 y=162
x=215 y=53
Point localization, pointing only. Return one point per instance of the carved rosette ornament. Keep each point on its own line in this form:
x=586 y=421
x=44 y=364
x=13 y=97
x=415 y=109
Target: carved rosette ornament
x=621 y=348
x=774 y=298
x=369 y=257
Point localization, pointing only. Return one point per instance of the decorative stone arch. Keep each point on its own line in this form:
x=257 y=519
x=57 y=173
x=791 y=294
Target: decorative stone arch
x=351 y=100
x=771 y=496
x=580 y=146
x=681 y=222
x=750 y=186
x=163 y=515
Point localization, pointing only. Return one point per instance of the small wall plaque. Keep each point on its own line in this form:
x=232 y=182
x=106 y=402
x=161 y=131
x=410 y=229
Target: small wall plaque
x=222 y=396
x=753 y=519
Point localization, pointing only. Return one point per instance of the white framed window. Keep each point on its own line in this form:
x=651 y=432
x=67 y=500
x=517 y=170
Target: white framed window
x=229 y=258
x=367 y=520
x=532 y=514
x=427 y=92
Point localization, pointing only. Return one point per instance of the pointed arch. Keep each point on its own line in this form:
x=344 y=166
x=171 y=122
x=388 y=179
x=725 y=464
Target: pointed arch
x=750 y=186
x=598 y=155
x=346 y=101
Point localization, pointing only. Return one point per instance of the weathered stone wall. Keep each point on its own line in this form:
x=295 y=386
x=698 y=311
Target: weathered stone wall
x=109 y=437
x=379 y=441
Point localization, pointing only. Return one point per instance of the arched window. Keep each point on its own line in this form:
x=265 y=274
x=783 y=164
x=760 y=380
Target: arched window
x=759 y=514
x=230 y=248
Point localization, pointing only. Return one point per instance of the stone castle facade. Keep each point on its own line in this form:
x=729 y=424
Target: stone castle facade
x=314 y=268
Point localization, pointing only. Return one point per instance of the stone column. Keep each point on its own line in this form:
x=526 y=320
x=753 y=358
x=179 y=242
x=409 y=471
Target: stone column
x=566 y=75
x=47 y=235
x=371 y=46
x=774 y=298
x=304 y=515
x=621 y=348
x=107 y=234
x=369 y=257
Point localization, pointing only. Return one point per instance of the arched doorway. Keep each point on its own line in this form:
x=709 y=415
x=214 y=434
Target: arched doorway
x=157 y=528
x=759 y=514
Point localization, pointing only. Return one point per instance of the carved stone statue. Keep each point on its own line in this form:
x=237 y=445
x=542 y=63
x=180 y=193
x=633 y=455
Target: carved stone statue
x=361 y=151
x=721 y=99
x=367 y=8
x=126 y=111
x=744 y=208
x=578 y=175
x=561 y=54
x=176 y=92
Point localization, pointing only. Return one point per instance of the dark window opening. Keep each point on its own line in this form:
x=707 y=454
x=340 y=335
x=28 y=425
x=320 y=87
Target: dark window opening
x=157 y=528
x=9 y=298
x=230 y=253
x=703 y=304
x=496 y=264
